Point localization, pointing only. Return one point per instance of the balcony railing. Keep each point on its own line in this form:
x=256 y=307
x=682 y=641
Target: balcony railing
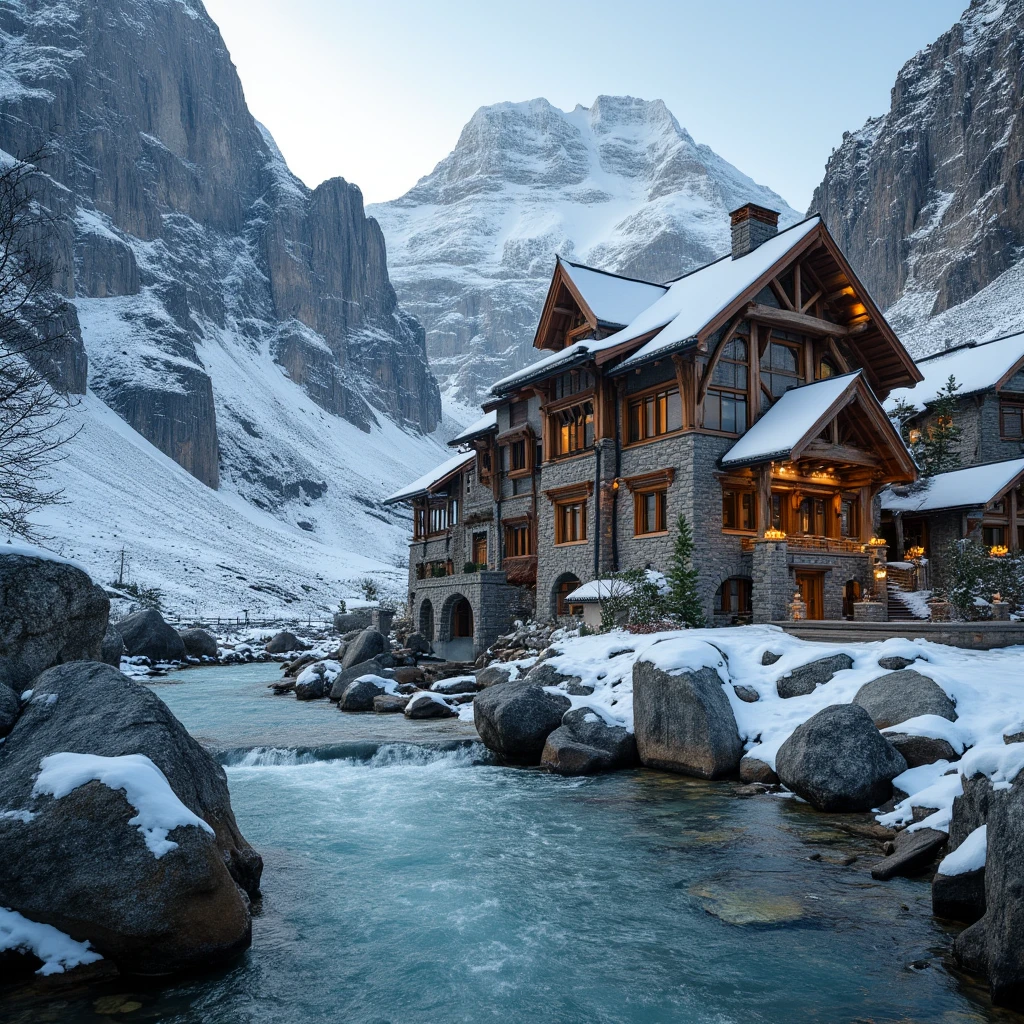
x=827 y=545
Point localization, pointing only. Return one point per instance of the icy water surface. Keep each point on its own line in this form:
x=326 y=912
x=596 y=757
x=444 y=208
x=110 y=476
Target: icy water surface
x=420 y=887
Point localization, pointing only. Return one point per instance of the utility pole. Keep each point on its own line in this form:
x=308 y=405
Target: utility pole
x=120 y=573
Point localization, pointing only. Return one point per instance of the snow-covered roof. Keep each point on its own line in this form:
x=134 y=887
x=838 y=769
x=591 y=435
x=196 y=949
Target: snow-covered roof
x=430 y=480
x=696 y=299
x=976 y=367
x=602 y=590
x=973 y=487
x=688 y=305
x=487 y=422
x=788 y=421
x=612 y=299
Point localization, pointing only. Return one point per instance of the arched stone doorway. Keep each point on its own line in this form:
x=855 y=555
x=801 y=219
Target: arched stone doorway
x=851 y=595
x=426 y=623
x=564 y=586
x=733 y=600
x=462 y=619
x=456 y=629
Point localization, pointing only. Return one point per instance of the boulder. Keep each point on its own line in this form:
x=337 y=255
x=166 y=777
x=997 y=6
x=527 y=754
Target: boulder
x=914 y=853
x=417 y=643
x=152 y=904
x=545 y=674
x=112 y=647
x=919 y=750
x=427 y=705
x=492 y=675
x=970 y=948
x=746 y=693
x=373 y=667
x=294 y=668
x=585 y=743
x=515 y=718
x=359 y=694
x=10 y=706
x=283 y=642
x=50 y=613
x=199 y=644
x=959 y=897
x=1004 y=896
x=367 y=645
x=457 y=684
x=894 y=663
x=389 y=703
x=565 y=755
x=753 y=769
x=971 y=808
x=684 y=723
x=838 y=761
x=312 y=683
x=804 y=679
x=899 y=696
x=145 y=633
x=770 y=657
x=347 y=622
x=407 y=674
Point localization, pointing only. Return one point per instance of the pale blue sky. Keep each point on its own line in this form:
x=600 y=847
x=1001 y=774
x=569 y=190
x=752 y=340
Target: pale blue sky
x=378 y=91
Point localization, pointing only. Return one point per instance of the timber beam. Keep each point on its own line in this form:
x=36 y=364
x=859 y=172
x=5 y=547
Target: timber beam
x=792 y=320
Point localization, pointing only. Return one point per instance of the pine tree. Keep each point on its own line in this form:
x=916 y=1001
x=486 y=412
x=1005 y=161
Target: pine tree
x=682 y=600
x=938 y=450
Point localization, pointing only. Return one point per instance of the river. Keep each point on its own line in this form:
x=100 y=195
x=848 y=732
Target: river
x=423 y=885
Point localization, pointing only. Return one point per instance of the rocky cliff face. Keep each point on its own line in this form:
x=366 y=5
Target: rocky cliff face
x=619 y=184
x=185 y=240
x=928 y=200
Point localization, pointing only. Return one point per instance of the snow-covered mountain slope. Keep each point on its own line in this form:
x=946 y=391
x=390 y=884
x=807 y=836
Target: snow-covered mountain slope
x=928 y=199
x=276 y=548
x=620 y=185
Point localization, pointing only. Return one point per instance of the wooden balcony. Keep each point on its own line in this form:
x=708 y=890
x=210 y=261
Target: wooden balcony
x=521 y=571
x=821 y=545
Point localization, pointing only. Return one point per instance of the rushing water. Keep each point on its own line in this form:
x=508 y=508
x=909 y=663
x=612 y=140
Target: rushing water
x=422 y=885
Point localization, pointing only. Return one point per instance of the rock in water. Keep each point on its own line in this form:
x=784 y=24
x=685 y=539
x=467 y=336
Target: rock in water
x=359 y=694
x=373 y=667
x=50 y=613
x=515 y=718
x=426 y=705
x=838 y=761
x=283 y=642
x=900 y=696
x=185 y=909
x=145 y=633
x=112 y=647
x=915 y=852
x=585 y=743
x=753 y=769
x=389 y=703
x=199 y=644
x=804 y=679
x=367 y=645
x=684 y=723
x=1004 y=897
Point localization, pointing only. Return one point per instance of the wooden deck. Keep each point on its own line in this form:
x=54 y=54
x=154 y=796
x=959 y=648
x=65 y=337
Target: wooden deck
x=977 y=636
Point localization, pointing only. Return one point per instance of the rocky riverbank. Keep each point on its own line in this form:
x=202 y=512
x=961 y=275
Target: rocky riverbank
x=120 y=848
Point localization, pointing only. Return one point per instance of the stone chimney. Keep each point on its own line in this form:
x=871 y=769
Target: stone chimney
x=751 y=225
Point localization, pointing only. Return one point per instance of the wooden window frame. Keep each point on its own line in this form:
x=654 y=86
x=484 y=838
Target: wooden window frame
x=1015 y=405
x=744 y=587
x=474 y=541
x=739 y=493
x=640 y=498
x=554 y=427
x=561 y=509
x=521 y=529
x=639 y=399
x=767 y=371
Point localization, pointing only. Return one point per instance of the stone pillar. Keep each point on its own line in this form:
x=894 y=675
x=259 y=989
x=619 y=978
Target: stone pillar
x=1000 y=611
x=772 y=588
x=870 y=611
x=381 y=618
x=605 y=499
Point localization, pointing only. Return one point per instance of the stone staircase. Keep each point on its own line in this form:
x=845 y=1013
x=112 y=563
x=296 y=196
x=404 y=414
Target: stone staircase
x=898 y=611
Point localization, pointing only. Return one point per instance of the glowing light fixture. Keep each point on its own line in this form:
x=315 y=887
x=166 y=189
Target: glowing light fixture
x=998 y=550
x=881 y=573
x=774 y=534
x=915 y=553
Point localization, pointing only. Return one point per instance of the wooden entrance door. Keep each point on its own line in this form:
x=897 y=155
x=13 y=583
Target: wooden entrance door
x=812 y=590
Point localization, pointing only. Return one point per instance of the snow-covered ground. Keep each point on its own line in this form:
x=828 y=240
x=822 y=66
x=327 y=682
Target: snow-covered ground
x=215 y=553
x=984 y=686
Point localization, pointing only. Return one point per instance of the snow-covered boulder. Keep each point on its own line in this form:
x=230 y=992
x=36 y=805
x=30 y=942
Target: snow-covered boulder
x=587 y=742
x=900 y=696
x=918 y=750
x=514 y=719
x=198 y=643
x=428 y=705
x=492 y=675
x=684 y=722
x=147 y=635
x=50 y=613
x=123 y=834
x=804 y=679
x=315 y=681
x=283 y=642
x=359 y=694
x=545 y=674
x=454 y=685
x=372 y=667
x=958 y=888
x=838 y=761
x=112 y=646
x=368 y=644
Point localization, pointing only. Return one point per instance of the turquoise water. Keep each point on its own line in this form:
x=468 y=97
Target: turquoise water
x=419 y=885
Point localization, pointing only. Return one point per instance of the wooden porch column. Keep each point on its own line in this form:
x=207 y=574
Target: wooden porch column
x=1013 y=545
x=764 y=503
x=900 y=542
x=867 y=527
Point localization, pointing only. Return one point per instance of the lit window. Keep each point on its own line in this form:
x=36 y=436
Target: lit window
x=650 y=512
x=654 y=415
x=570 y=522
x=573 y=429
x=738 y=510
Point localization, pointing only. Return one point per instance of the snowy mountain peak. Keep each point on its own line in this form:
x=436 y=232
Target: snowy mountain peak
x=619 y=184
